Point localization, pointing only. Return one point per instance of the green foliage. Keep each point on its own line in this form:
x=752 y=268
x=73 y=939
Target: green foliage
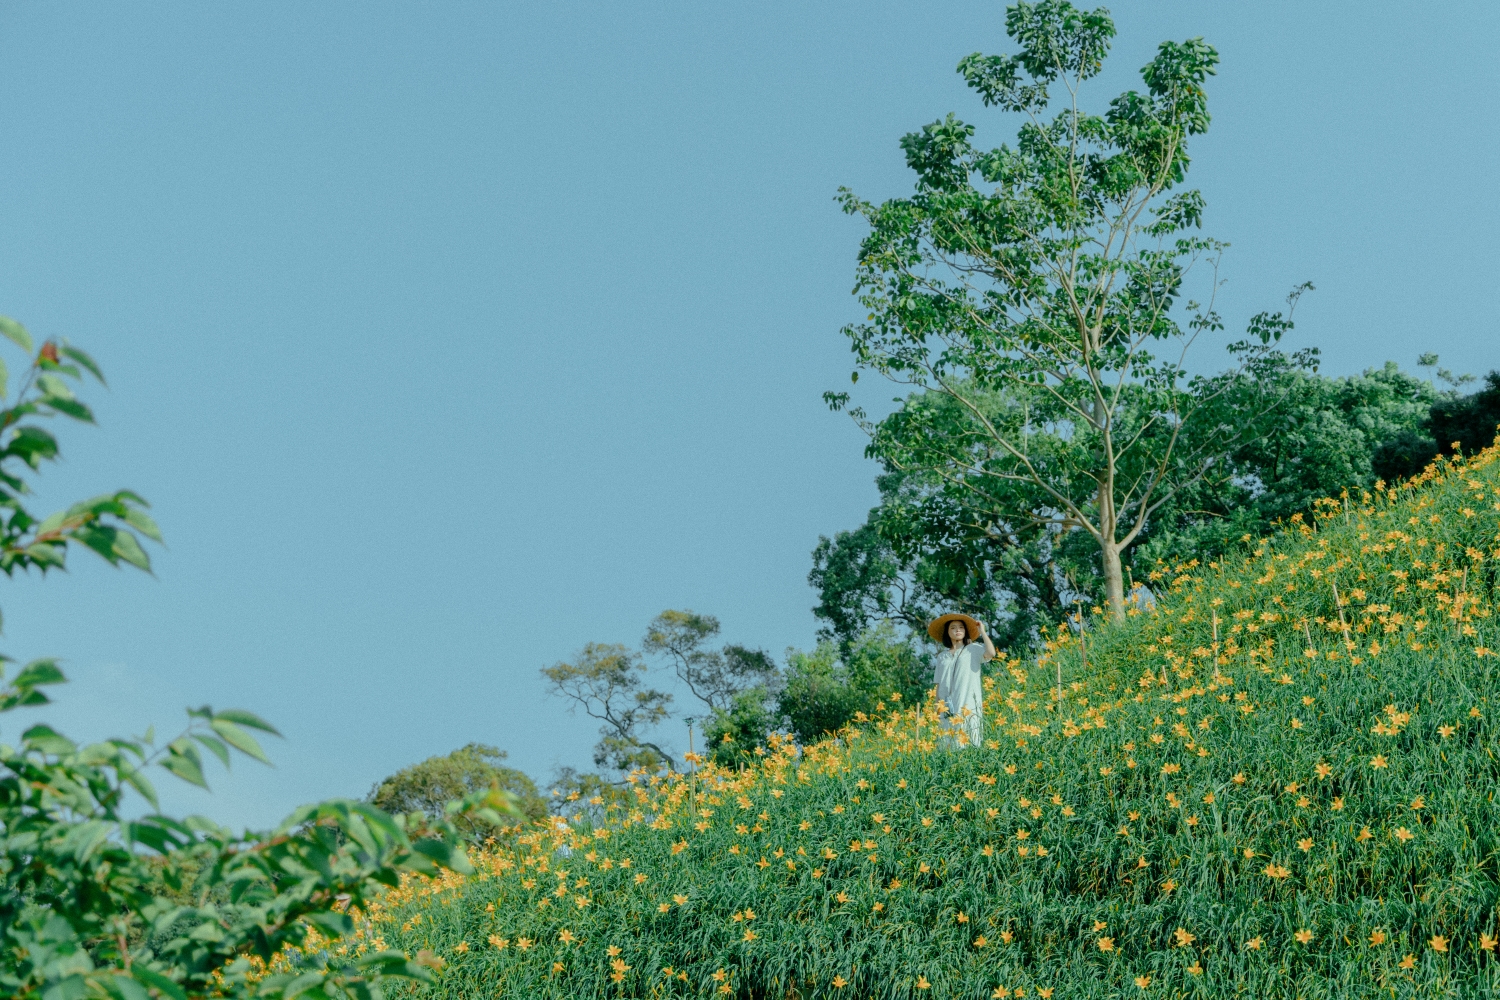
x=825 y=689
x=1270 y=785
x=113 y=524
x=715 y=677
x=428 y=787
x=1038 y=313
x=96 y=904
x=606 y=682
x=1468 y=423
x=916 y=555
x=736 y=736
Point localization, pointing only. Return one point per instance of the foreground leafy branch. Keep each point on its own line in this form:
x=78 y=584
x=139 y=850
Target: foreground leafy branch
x=95 y=903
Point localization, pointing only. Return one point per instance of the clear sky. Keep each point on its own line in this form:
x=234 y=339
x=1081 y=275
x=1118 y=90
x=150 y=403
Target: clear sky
x=446 y=337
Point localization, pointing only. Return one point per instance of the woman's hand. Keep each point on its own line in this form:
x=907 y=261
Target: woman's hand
x=989 y=646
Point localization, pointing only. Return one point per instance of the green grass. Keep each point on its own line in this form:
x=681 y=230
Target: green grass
x=1221 y=752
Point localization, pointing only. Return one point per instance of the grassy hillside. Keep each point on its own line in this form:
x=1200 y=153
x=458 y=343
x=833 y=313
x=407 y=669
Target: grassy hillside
x=1257 y=789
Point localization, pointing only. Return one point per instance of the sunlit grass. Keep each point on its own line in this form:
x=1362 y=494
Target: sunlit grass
x=1256 y=789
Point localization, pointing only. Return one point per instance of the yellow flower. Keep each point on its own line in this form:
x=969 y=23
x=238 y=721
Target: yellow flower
x=1378 y=761
x=1305 y=844
x=1196 y=969
x=1143 y=981
x=1446 y=731
x=1377 y=938
x=1255 y=943
x=1184 y=937
x=663 y=907
x=1418 y=803
x=1409 y=962
x=1106 y=944
x=1276 y=871
x=1099 y=925
x=680 y=899
x=750 y=935
x=839 y=982
x=923 y=984
x=1486 y=942
x=718 y=977
x=499 y=942
x=566 y=936
x=1403 y=834
x=980 y=941
x=1438 y=942
x=1303 y=936
x=1239 y=779
x=524 y=943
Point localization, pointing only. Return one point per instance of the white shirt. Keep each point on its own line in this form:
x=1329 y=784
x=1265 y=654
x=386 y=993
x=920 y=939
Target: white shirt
x=958 y=679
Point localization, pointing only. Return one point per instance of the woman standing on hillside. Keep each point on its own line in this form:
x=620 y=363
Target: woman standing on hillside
x=957 y=673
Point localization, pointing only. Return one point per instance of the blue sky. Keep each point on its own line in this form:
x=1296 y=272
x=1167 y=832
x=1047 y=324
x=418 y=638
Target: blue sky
x=445 y=338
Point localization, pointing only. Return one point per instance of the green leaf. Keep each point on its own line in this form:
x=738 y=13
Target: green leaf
x=448 y=855
x=142 y=522
x=15 y=333
x=74 y=987
x=216 y=747
x=79 y=356
x=243 y=718
x=183 y=761
x=54 y=387
x=129 y=549
x=70 y=407
x=47 y=740
x=39 y=672
x=239 y=739
x=157 y=981
x=336 y=924
x=123 y=987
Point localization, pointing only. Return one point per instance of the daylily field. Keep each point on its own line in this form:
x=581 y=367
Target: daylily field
x=1278 y=782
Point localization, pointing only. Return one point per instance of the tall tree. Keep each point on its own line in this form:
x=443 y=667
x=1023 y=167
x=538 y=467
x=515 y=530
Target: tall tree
x=1033 y=308
x=607 y=682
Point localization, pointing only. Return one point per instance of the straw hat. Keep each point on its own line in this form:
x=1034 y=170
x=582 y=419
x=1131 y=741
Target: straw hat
x=939 y=628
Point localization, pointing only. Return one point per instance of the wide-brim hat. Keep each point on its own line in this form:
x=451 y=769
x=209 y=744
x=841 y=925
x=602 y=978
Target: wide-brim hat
x=939 y=628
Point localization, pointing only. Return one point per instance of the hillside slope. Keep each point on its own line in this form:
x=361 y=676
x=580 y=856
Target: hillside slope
x=1277 y=783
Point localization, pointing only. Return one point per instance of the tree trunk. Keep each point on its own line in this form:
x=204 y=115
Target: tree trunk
x=1114 y=580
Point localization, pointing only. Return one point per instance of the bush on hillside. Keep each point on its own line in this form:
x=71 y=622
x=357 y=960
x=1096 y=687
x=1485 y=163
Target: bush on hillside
x=428 y=787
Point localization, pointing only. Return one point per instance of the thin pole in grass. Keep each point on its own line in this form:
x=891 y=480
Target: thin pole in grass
x=1339 y=607
x=693 y=774
x=1458 y=605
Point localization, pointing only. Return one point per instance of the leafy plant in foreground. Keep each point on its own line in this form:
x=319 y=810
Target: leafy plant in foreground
x=96 y=903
